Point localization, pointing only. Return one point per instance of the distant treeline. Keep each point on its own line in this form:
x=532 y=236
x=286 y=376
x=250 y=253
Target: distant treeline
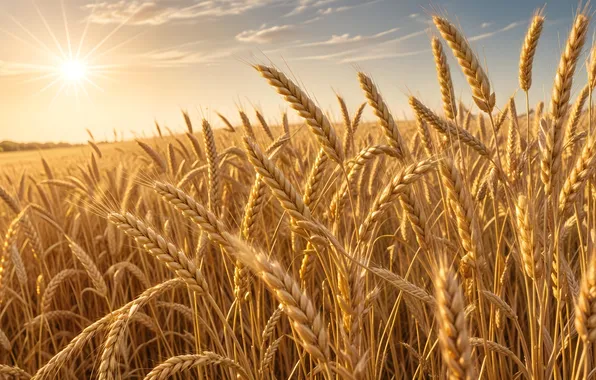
x=11 y=146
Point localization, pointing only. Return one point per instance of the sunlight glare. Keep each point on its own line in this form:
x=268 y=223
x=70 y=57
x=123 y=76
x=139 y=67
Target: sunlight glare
x=73 y=71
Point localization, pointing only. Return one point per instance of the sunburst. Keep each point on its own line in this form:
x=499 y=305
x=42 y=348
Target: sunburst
x=70 y=70
x=73 y=70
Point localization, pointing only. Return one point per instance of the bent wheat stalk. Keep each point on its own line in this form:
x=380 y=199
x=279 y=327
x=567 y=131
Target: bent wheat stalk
x=478 y=80
x=314 y=117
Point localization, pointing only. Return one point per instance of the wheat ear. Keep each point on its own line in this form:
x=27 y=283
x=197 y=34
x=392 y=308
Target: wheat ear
x=226 y=122
x=538 y=111
x=453 y=333
x=562 y=90
x=9 y=200
x=157 y=159
x=285 y=124
x=392 y=191
x=477 y=79
x=576 y=113
x=187 y=121
x=444 y=77
x=585 y=309
x=463 y=207
x=297 y=305
x=529 y=50
x=196 y=147
x=314 y=117
x=348 y=133
x=213 y=164
x=447 y=128
x=17 y=262
x=248 y=130
x=274 y=178
x=299 y=308
x=77 y=344
x=496 y=347
x=314 y=180
x=356 y=165
x=582 y=170
x=90 y=267
x=382 y=111
x=512 y=139
x=181 y=363
x=171 y=159
x=404 y=285
x=533 y=265
x=9 y=372
x=251 y=210
x=157 y=246
x=264 y=124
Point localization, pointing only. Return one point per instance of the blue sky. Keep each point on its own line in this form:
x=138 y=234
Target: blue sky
x=145 y=60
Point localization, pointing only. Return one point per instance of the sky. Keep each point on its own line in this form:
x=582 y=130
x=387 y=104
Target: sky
x=71 y=65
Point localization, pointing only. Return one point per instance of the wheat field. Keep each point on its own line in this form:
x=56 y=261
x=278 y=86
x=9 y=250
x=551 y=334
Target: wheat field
x=458 y=245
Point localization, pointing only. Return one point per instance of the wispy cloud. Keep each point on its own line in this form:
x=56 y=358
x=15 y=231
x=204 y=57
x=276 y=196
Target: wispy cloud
x=319 y=5
x=267 y=34
x=404 y=37
x=175 y=58
x=490 y=34
x=346 y=38
x=326 y=57
x=311 y=20
x=344 y=8
x=134 y=12
x=366 y=51
x=485 y=25
x=303 y=5
x=421 y=18
x=372 y=56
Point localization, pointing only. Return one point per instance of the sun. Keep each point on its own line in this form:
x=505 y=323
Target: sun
x=72 y=67
x=73 y=71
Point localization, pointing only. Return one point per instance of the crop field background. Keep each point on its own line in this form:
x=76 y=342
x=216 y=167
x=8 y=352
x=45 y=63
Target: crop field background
x=456 y=245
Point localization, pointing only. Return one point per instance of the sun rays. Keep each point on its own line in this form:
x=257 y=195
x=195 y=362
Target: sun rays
x=68 y=64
